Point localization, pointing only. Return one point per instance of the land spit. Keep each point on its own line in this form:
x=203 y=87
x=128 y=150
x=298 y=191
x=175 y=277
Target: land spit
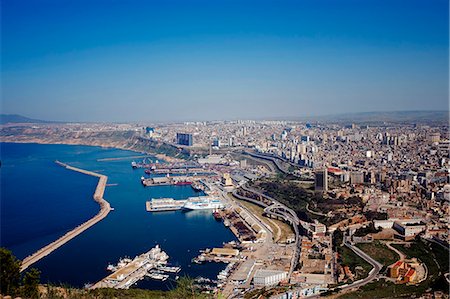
x=105 y=208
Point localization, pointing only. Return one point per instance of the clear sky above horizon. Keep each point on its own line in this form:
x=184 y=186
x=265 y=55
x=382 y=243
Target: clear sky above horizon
x=111 y=60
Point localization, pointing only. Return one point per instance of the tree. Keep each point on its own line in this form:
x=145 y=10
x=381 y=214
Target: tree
x=9 y=272
x=30 y=283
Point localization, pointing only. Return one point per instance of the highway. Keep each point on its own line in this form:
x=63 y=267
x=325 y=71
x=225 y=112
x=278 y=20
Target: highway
x=276 y=161
x=274 y=208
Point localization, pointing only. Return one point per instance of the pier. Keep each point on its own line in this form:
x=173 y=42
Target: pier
x=179 y=180
x=127 y=272
x=105 y=208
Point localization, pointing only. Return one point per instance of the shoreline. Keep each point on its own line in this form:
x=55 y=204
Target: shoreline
x=163 y=157
x=105 y=208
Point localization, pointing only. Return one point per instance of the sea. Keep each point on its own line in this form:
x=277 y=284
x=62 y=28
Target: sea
x=41 y=201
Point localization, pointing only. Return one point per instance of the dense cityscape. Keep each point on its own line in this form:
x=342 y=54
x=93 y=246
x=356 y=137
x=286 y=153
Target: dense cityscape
x=318 y=207
x=168 y=149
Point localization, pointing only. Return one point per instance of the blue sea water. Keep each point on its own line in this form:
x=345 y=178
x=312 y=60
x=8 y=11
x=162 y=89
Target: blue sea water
x=40 y=201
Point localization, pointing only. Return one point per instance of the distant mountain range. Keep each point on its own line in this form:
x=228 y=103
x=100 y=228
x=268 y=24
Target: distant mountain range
x=15 y=118
x=405 y=117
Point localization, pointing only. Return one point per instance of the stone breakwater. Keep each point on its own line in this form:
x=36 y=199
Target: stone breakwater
x=105 y=208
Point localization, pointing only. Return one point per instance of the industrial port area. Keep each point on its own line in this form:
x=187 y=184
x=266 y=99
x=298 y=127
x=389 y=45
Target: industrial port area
x=255 y=252
x=316 y=209
x=152 y=264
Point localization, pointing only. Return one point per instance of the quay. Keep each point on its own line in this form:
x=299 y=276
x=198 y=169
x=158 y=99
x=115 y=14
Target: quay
x=152 y=264
x=105 y=208
x=170 y=180
x=164 y=204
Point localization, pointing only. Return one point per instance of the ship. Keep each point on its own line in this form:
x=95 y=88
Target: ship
x=164 y=204
x=202 y=203
x=197 y=186
x=183 y=183
x=217 y=215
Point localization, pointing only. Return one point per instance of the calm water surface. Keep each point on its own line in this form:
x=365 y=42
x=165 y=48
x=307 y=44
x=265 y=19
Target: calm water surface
x=40 y=201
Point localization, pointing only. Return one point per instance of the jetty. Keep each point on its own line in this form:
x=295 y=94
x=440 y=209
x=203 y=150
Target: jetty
x=127 y=272
x=105 y=208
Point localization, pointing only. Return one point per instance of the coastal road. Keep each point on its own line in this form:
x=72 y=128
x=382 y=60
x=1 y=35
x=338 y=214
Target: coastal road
x=274 y=208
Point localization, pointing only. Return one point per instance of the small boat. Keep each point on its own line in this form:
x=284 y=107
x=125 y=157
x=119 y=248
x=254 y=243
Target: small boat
x=111 y=268
x=147 y=171
x=217 y=216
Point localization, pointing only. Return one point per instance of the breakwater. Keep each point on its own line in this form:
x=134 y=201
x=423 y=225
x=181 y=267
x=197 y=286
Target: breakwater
x=105 y=208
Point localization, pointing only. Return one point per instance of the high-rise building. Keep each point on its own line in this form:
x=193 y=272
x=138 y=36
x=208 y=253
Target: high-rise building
x=321 y=180
x=356 y=177
x=435 y=137
x=216 y=142
x=185 y=139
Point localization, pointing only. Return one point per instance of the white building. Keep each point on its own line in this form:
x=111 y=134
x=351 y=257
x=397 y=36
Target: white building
x=268 y=277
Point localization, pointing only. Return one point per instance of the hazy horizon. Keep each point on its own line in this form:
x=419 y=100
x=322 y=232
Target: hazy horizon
x=166 y=61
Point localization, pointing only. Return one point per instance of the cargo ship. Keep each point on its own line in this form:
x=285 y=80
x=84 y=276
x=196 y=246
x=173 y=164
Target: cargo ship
x=202 y=203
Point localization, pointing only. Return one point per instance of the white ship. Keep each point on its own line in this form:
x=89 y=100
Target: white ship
x=164 y=204
x=202 y=203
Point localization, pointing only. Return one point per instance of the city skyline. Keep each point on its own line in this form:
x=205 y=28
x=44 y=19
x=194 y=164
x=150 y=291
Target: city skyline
x=153 y=61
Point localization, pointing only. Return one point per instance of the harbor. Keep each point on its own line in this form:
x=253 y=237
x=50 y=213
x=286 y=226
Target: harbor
x=105 y=208
x=178 y=180
x=192 y=203
x=152 y=264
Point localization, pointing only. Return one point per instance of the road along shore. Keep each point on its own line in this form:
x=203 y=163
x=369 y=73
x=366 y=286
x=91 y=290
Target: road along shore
x=105 y=208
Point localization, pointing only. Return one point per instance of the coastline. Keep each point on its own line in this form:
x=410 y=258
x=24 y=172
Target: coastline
x=163 y=157
x=105 y=208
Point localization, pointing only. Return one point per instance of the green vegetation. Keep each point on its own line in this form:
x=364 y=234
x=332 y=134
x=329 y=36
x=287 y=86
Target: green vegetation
x=373 y=215
x=293 y=195
x=11 y=282
x=434 y=256
x=368 y=229
x=381 y=289
x=27 y=286
x=265 y=293
x=185 y=289
x=348 y=258
x=379 y=252
x=280 y=229
x=160 y=148
x=9 y=272
x=288 y=193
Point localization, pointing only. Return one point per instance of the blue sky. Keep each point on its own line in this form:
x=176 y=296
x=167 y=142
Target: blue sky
x=194 y=60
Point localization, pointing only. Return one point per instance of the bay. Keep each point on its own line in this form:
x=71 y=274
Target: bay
x=40 y=201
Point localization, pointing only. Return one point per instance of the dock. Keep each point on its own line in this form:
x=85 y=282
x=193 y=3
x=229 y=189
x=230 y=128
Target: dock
x=164 y=204
x=170 y=180
x=152 y=264
x=105 y=208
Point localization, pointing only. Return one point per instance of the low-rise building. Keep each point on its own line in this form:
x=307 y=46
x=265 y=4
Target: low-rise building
x=268 y=277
